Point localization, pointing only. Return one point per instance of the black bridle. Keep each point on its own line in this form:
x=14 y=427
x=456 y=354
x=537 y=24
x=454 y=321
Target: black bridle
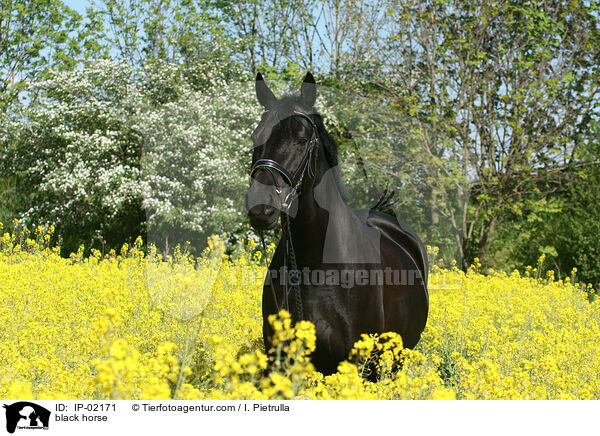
x=273 y=166
x=305 y=166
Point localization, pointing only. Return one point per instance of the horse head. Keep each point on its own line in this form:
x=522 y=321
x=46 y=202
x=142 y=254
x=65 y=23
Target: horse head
x=286 y=149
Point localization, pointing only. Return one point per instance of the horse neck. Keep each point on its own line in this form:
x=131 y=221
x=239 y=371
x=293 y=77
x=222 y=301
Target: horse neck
x=319 y=201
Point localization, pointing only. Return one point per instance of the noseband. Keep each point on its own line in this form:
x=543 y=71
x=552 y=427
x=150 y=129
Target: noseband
x=273 y=167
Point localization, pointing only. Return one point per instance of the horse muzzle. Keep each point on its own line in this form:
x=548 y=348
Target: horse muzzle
x=263 y=217
x=262 y=205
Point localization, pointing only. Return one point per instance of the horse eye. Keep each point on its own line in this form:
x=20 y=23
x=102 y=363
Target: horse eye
x=301 y=141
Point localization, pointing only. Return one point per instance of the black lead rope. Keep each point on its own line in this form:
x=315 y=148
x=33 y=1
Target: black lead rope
x=289 y=252
x=292 y=256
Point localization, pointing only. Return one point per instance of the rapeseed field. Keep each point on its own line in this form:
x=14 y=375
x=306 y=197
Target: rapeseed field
x=133 y=325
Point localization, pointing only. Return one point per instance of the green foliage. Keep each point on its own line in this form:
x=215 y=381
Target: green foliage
x=176 y=32
x=566 y=233
x=36 y=35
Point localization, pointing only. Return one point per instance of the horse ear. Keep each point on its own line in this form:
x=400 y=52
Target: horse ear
x=263 y=93
x=309 y=90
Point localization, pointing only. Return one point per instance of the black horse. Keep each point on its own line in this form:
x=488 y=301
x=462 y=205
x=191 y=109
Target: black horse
x=347 y=271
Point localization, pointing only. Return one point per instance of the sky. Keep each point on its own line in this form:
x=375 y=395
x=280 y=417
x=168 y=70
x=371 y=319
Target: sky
x=78 y=5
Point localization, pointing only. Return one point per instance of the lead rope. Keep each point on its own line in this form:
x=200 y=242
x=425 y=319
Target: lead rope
x=292 y=255
x=289 y=251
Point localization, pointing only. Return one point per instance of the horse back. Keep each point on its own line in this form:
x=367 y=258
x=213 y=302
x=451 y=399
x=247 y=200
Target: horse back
x=405 y=304
x=400 y=234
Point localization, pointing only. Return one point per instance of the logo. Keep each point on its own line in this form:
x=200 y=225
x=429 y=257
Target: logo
x=26 y=415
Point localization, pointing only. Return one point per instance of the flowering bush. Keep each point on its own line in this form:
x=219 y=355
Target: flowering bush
x=195 y=163
x=104 y=157
x=133 y=325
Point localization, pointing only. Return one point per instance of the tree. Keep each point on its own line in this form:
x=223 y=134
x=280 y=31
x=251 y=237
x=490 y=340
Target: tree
x=106 y=157
x=513 y=85
x=264 y=31
x=36 y=35
x=176 y=32
x=564 y=226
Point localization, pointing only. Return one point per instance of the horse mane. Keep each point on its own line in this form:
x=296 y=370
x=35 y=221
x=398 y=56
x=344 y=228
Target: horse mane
x=330 y=149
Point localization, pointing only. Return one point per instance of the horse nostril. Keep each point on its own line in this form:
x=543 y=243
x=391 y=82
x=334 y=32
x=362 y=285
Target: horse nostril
x=263 y=217
x=253 y=212
x=261 y=210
